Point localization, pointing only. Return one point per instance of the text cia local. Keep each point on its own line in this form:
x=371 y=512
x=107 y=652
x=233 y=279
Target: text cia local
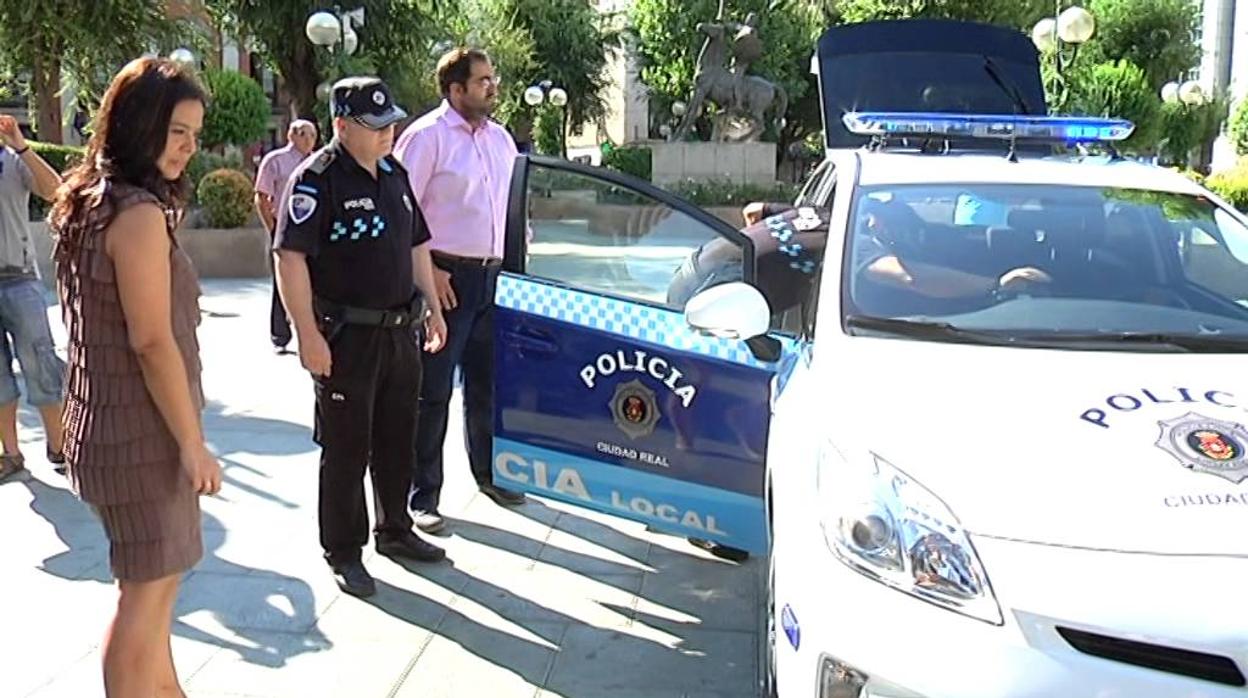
x=1130 y=402
x=638 y=361
x=568 y=482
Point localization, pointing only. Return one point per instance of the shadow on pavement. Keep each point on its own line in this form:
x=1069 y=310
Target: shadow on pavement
x=288 y=602
x=566 y=654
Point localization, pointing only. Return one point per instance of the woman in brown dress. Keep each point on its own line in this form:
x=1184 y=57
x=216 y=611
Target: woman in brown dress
x=133 y=436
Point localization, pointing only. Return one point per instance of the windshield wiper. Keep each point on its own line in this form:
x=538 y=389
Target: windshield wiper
x=1200 y=343
x=922 y=329
x=1010 y=89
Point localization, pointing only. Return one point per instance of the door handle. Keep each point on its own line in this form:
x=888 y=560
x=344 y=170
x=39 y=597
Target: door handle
x=531 y=341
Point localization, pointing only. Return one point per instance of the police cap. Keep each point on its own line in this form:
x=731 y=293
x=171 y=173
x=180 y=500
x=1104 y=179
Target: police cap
x=367 y=100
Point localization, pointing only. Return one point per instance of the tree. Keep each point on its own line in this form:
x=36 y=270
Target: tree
x=1121 y=90
x=391 y=31
x=238 y=111
x=668 y=42
x=481 y=24
x=52 y=39
x=1184 y=128
x=1159 y=36
x=1014 y=13
x=572 y=43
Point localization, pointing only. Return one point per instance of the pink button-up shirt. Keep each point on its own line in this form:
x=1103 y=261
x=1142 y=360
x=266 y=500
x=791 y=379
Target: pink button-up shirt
x=274 y=172
x=461 y=177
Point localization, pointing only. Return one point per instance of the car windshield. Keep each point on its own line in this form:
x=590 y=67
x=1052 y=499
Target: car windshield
x=1047 y=265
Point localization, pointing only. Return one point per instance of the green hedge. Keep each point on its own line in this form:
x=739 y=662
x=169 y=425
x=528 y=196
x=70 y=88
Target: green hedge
x=726 y=193
x=238 y=110
x=204 y=162
x=637 y=161
x=60 y=157
x=1231 y=185
x=226 y=198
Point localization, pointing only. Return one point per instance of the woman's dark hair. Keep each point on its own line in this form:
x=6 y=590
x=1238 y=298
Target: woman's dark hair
x=128 y=136
x=455 y=67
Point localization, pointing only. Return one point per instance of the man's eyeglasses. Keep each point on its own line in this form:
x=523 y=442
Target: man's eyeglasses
x=488 y=80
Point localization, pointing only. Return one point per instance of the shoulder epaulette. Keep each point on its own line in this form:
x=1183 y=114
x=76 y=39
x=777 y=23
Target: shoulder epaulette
x=321 y=161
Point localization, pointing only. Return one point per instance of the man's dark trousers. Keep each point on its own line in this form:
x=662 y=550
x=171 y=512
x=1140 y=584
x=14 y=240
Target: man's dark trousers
x=279 y=324
x=470 y=345
x=366 y=418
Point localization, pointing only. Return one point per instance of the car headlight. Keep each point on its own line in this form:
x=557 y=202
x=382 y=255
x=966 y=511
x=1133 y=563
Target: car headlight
x=881 y=522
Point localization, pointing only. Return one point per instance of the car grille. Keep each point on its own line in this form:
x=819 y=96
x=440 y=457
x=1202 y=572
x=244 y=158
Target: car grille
x=1200 y=665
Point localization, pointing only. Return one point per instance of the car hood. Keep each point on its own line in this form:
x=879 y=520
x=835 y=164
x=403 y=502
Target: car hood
x=1122 y=451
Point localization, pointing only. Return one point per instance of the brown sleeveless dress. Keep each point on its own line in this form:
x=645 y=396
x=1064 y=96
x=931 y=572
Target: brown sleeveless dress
x=122 y=458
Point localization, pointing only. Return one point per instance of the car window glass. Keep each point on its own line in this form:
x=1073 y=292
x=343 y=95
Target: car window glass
x=604 y=238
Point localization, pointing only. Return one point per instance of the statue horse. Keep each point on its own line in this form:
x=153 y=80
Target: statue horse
x=748 y=97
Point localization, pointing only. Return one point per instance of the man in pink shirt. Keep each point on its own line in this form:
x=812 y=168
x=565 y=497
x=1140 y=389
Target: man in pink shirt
x=459 y=164
x=271 y=180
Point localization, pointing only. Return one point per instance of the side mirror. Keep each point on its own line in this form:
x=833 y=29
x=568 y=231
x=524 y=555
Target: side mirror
x=734 y=310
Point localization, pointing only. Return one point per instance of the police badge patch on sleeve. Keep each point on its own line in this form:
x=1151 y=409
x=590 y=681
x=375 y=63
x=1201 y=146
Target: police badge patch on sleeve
x=301 y=207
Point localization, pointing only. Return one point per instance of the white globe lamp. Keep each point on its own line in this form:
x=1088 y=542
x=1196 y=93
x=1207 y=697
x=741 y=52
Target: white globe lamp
x=1044 y=35
x=1170 y=92
x=183 y=57
x=1191 y=93
x=558 y=97
x=323 y=29
x=533 y=96
x=1075 y=25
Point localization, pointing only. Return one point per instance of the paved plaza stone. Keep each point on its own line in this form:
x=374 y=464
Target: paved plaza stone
x=542 y=600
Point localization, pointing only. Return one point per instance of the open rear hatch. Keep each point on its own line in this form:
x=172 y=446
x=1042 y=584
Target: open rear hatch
x=925 y=66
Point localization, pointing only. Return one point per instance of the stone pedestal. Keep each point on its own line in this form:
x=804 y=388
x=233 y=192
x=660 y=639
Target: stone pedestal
x=741 y=163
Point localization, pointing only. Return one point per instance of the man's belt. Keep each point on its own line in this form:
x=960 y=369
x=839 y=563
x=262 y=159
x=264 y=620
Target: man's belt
x=349 y=315
x=459 y=260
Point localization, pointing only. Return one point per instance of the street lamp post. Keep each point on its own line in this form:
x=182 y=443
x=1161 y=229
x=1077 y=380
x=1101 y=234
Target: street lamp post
x=545 y=91
x=1061 y=35
x=336 y=32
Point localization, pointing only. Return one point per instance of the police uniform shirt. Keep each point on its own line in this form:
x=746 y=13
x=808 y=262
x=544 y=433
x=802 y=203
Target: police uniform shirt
x=788 y=250
x=356 y=231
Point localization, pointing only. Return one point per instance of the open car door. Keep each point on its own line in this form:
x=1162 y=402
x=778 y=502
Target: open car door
x=605 y=397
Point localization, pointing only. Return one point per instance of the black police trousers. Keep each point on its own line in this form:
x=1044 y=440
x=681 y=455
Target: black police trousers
x=366 y=419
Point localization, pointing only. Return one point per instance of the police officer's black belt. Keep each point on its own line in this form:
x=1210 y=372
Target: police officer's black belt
x=369 y=316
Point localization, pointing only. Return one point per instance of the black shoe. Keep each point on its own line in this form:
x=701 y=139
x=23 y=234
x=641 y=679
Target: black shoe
x=502 y=497
x=354 y=579
x=720 y=551
x=409 y=545
x=281 y=350
x=57 y=459
x=429 y=521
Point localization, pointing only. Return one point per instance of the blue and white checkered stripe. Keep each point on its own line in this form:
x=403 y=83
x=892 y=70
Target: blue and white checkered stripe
x=664 y=328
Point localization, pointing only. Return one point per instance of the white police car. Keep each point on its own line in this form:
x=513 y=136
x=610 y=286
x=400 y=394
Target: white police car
x=997 y=449
x=1004 y=455
x=1011 y=458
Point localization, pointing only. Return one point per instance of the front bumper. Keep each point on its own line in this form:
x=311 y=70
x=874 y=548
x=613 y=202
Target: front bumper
x=896 y=646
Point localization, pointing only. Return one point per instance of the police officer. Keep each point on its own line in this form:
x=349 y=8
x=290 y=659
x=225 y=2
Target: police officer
x=357 y=281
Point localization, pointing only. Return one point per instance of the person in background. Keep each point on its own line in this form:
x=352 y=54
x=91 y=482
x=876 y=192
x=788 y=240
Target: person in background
x=271 y=179
x=23 y=311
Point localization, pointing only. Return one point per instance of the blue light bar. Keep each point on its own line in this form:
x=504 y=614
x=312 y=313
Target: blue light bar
x=1066 y=129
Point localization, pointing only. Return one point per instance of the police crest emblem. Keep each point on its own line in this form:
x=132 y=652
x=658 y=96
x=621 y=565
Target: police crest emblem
x=634 y=408
x=301 y=207
x=1207 y=445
